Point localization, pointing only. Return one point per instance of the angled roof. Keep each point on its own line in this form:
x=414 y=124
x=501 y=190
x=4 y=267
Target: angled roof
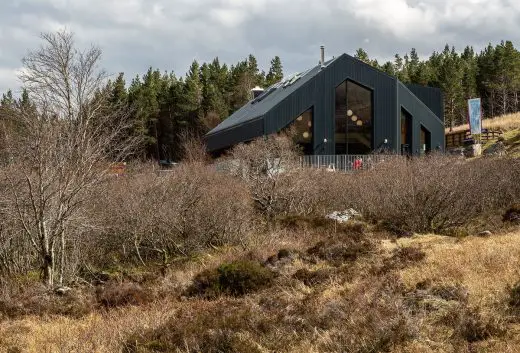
x=271 y=97
x=285 y=100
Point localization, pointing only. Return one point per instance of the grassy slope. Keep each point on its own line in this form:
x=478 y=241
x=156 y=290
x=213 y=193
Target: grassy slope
x=484 y=266
x=509 y=124
x=504 y=123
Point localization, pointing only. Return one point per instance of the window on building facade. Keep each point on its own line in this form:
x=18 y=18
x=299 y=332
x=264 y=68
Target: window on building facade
x=406 y=132
x=302 y=129
x=353 y=119
x=425 y=144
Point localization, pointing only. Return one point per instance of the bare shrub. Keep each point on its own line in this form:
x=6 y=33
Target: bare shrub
x=17 y=254
x=270 y=168
x=120 y=294
x=343 y=249
x=473 y=325
x=514 y=298
x=435 y=193
x=189 y=209
x=35 y=299
x=403 y=257
x=236 y=278
x=312 y=278
x=220 y=326
x=193 y=149
x=512 y=214
x=370 y=317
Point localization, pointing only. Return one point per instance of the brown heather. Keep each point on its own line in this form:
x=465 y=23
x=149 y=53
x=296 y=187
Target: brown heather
x=200 y=260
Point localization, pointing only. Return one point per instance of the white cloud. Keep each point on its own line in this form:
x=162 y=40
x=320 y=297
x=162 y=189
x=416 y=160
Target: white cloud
x=9 y=80
x=397 y=17
x=169 y=34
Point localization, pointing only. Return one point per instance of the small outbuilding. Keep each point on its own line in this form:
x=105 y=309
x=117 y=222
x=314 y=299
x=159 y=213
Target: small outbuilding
x=341 y=106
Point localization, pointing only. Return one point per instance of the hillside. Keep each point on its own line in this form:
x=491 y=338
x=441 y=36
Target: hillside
x=422 y=294
x=508 y=124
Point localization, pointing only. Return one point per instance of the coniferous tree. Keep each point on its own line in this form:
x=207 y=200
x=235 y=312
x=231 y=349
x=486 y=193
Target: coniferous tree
x=192 y=98
x=362 y=55
x=389 y=68
x=450 y=82
x=275 y=73
x=469 y=77
x=7 y=99
x=119 y=94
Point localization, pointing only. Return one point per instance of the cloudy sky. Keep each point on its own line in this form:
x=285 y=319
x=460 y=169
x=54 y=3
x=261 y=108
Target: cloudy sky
x=169 y=34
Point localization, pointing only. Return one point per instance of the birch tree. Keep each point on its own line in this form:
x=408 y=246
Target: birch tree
x=70 y=138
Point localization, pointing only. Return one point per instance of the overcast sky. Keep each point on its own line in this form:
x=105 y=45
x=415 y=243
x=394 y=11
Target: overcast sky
x=169 y=34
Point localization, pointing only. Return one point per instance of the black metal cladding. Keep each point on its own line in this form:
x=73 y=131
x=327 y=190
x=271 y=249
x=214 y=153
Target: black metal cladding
x=431 y=96
x=317 y=91
x=421 y=115
x=244 y=132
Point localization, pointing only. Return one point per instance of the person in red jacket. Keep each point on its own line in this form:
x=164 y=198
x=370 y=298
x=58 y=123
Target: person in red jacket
x=358 y=164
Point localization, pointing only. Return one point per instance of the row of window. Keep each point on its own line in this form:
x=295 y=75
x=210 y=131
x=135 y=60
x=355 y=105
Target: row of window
x=406 y=135
x=353 y=124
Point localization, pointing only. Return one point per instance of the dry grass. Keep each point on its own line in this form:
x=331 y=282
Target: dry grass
x=504 y=123
x=99 y=332
x=335 y=288
x=485 y=266
x=349 y=307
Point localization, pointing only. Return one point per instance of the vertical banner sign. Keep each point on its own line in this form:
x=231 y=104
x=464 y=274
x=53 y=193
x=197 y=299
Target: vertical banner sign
x=475 y=115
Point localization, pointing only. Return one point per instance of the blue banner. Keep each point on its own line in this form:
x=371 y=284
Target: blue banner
x=475 y=116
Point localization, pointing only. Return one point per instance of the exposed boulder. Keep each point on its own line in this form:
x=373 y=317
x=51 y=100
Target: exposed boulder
x=496 y=149
x=344 y=216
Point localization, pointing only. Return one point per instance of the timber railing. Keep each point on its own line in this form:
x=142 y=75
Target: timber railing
x=460 y=138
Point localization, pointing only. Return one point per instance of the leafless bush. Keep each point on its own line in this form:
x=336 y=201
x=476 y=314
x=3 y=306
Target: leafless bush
x=185 y=210
x=36 y=299
x=371 y=318
x=17 y=255
x=473 y=324
x=433 y=194
x=270 y=168
x=120 y=294
x=193 y=148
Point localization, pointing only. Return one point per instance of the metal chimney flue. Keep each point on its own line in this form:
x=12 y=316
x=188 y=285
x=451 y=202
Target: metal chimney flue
x=322 y=55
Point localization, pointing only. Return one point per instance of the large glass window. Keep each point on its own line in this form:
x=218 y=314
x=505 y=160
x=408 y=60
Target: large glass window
x=353 y=119
x=406 y=132
x=302 y=131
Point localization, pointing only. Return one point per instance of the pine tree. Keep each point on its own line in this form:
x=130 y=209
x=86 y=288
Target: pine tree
x=389 y=68
x=192 y=98
x=469 y=77
x=7 y=99
x=275 y=73
x=362 y=55
x=506 y=76
x=119 y=94
x=414 y=67
x=398 y=66
x=450 y=82
x=485 y=79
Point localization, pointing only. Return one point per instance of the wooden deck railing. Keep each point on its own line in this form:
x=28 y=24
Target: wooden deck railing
x=460 y=138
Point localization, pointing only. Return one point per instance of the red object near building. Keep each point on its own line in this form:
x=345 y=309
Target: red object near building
x=358 y=164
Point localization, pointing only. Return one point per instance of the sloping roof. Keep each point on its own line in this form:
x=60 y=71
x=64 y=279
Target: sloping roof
x=274 y=109
x=271 y=97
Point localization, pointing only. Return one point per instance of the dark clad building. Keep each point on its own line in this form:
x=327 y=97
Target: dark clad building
x=341 y=106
